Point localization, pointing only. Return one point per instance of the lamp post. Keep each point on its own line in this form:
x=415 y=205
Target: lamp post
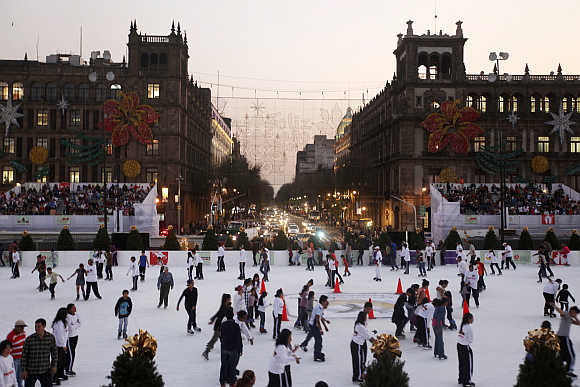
x=492 y=77
x=178 y=202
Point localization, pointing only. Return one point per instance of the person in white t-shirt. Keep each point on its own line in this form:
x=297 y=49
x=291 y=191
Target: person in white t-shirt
x=279 y=369
x=424 y=313
x=278 y=310
x=430 y=255
x=73 y=325
x=464 y=352
x=509 y=255
x=358 y=347
x=198 y=261
x=15 y=263
x=316 y=322
x=91 y=273
x=220 y=259
x=7 y=371
x=134 y=271
x=378 y=263
x=242 y=263
x=406 y=255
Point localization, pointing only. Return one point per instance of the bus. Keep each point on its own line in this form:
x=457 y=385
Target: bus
x=314 y=216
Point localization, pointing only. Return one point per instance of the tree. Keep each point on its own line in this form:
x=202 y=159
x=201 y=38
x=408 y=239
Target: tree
x=26 y=243
x=386 y=371
x=526 y=242
x=134 y=240
x=102 y=240
x=452 y=239
x=384 y=240
x=416 y=241
x=552 y=239
x=243 y=240
x=137 y=371
x=574 y=243
x=281 y=241
x=229 y=242
x=65 y=240
x=491 y=242
x=171 y=242
x=210 y=241
x=543 y=368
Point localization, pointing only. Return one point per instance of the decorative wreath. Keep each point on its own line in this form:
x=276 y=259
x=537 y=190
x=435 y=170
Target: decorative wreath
x=131 y=168
x=38 y=155
x=453 y=126
x=540 y=164
x=126 y=117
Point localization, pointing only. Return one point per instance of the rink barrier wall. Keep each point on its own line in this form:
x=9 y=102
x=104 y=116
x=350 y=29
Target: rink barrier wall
x=277 y=258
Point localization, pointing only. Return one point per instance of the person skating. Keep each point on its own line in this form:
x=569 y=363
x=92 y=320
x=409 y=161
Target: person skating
x=550 y=289
x=548 y=252
x=481 y=271
x=231 y=348
x=80 y=272
x=7 y=369
x=464 y=352
x=39 y=356
x=509 y=255
x=406 y=256
x=542 y=258
x=242 y=263
x=164 y=285
x=238 y=301
x=262 y=311
x=424 y=313
x=216 y=319
x=189 y=265
x=91 y=276
x=429 y=256
x=562 y=297
x=471 y=279
x=16 y=338
x=73 y=325
x=41 y=268
x=109 y=265
x=123 y=309
x=310 y=259
x=399 y=318
x=220 y=259
x=411 y=305
x=100 y=261
x=421 y=263
x=345 y=263
x=394 y=266
x=566 y=348
x=198 y=265
x=378 y=262
x=277 y=311
x=134 y=271
x=302 y=304
x=494 y=259
x=143 y=265
x=15 y=263
x=190 y=295
x=448 y=297
x=59 y=330
x=265 y=264
x=438 y=324
x=279 y=374
x=316 y=322
x=53 y=281
x=336 y=271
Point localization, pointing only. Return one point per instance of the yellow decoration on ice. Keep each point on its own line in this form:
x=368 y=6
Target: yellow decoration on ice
x=131 y=168
x=540 y=164
x=386 y=343
x=141 y=344
x=38 y=155
x=541 y=337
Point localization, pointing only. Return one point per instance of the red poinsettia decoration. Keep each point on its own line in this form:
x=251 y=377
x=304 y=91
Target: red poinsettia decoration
x=127 y=117
x=453 y=126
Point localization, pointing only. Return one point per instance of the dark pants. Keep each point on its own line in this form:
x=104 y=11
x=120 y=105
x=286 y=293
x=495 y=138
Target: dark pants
x=548 y=308
x=394 y=262
x=422 y=271
x=465 y=357
x=497 y=266
x=509 y=260
x=228 y=366
x=359 y=360
x=314 y=332
x=142 y=272
x=439 y=349
x=400 y=325
x=135 y=278
x=564 y=305
x=15 y=270
x=60 y=363
x=99 y=270
x=212 y=341
x=45 y=379
x=164 y=295
x=421 y=334
x=338 y=275
x=221 y=264
x=242 y=270
x=262 y=319
x=189 y=272
x=199 y=271
x=542 y=272
x=407 y=264
x=109 y=272
x=452 y=324
x=481 y=283
x=72 y=350
x=567 y=353
x=279 y=380
x=475 y=294
x=549 y=270
x=442 y=257
x=191 y=320
x=51 y=289
x=359 y=260
x=310 y=263
x=277 y=323
x=254 y=258
x=95 y=287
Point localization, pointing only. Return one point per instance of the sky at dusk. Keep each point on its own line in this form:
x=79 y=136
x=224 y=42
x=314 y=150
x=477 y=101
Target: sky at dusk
x=300 y=49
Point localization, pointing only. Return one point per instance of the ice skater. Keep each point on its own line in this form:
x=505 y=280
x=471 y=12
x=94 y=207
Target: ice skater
x=73 y=325
x=378 y=262
x=216 y=319
x=562 y=297
x=464 y=352
x=41 y=268
x=279 y=374
x=566 y=348
x=143 y=265
x=438 y=324
x=53 y=281
x=394 y=266
x=509 y=255
x=421 y=263
x=424 y=313
x=399 y=318
x=405 y=257
x=358 y=347
x=262 y=305
x=231 y=349
x=317 y=321
x=123 y=309
x=190 y=295
x=277 y=311
x=265 y=264
x=190 y=264
x=494 y=259
x=198 y=265
x=108 y=265
x=242 y=263
x=134 y=271
x=164 y=285
x=481 y=271
x=429 y=256
x=80 y=272
x=550 y=290
x=345 y=263
x=91 y=278
x=220 y=259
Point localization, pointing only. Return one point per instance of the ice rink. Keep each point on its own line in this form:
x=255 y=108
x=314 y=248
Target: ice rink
x=511 y=306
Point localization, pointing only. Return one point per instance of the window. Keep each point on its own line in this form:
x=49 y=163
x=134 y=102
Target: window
x=42 y=118
x=100 y=93
x=501 y=104
x=153 y=148
x=478 y=144
x=433 y=72
x=574 y=144
x=419 y=101
x=17 y=91
x=42 y=179
x=469 y=101
x=152 y=175
x=75 y=144
x=115 y=91
x=74 y=175
x=577 y=104
x=69 y=92
x=565 y=105
x=482 y=104
x=42 y=141
x=547 y=104
x=543 y=144
x=7 y=175
x=51 y=92
x=422 y=72
x=106 y=175
x=9 y=146
x=510 y=144
x=532 y=104
x=153 y=90
x=75 y=118
x=36 y=91
x=84 y=92
x=3 y=91
x=514 y=104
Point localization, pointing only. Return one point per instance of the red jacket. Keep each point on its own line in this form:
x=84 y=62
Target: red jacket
x=17 y=341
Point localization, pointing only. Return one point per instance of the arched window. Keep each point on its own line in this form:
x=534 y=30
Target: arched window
x=434 y=66
x=51 y=92
x=446 y=66
x=482 y=103
x=422 y=63
x=501 y=104
x=115 y=90
x=145 y=60
x=3 y=91
x=469 y=101
x=514 y=107
x=100 y=94
x=564 y=103
x=547 y=104
x=84 y=92
x=36 y=92
x=17 y=91
x=577 y=103
x=69 y=92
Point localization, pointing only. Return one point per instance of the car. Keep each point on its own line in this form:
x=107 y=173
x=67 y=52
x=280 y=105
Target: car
x=163 y=232
x=293 y=229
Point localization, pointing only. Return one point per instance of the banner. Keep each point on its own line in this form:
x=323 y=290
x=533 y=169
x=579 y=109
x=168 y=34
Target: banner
x=522 y=256
x=206 y=257
x=158 y=257
x=548 y=219
x=63 y=220
x=471 y=220
x=23 y=219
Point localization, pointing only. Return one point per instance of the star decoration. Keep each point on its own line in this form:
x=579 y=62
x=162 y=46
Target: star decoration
x=513 y=119
x=62 y=105
x=9 y=115
x=561 y=123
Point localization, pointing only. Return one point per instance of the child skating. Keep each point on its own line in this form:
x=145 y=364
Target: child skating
x=53 y=280
x=123 y=309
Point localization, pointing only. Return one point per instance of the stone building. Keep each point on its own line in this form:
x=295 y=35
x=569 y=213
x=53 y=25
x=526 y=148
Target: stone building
x=156 y=70
x=389 y=153
x=315 y=157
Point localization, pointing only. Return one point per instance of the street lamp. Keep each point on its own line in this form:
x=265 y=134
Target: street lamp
x=178 y=202
x=492 y=77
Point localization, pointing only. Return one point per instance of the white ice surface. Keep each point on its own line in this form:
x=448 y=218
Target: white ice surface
x=510 y=307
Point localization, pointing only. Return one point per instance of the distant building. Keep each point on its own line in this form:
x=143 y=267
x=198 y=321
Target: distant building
x=221 y=141
x=342 y=151
x=315 y=157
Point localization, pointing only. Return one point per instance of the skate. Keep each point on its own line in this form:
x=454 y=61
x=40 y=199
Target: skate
x=190 y=332
x=119 y=336
x=205 y=355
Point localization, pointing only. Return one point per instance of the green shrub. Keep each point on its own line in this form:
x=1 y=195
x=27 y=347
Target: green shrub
x=552 y=239
x=210 y=241
x=281 y=241
x=171 y=242
x=134 y=240
x=26 y=243
x=526 y=242
x=452 y=239
x=386 y=371
x=139 y=370
x=574 y=243
x=543 y=368
x=102 y=240
x=65 y=240
x=491 y=242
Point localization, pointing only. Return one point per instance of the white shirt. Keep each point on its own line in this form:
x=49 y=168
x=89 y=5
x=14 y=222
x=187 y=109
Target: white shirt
x=198 y=259
x=463 y=267
x=361 y=334
x=190 y=260
x=7 y=372
x=242 y=256
x=133 y=269
x=406 y=254
x=331 y=265
x=91 y=273
x=283 y=356
x=492 y=256
x=428 y=250
x=221 y=251
x=278 y=306
x=73 y=324
x=262 y=308
x=244 y=329
x=15 y=257
x=239 y=303
x=508 y=251
x=60 y=334
x=426 y=311
x=471 y=278
x=551 y=287
x=317 y=311
x=379 y=257
x=467 y=337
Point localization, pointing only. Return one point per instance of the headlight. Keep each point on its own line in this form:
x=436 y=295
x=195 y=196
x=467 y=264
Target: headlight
x=234 y=238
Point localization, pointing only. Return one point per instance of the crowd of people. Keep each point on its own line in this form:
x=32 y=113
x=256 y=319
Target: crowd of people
x=60 y=199
x=519 y=199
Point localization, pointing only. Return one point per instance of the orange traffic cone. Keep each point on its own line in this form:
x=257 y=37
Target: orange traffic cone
x=427 y=294
x=399 y=287
x=337 y=287
x=284 y=313
x=371 y=313
x=263 y=287
x=465 y=307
